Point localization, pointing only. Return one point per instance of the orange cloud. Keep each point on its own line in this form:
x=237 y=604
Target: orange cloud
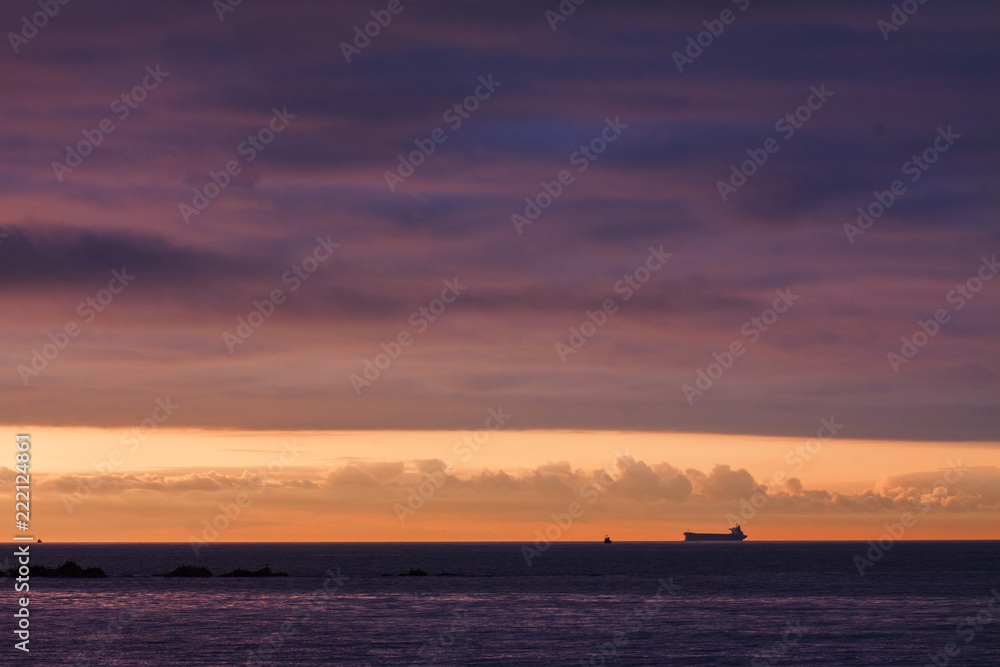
x=628 y=492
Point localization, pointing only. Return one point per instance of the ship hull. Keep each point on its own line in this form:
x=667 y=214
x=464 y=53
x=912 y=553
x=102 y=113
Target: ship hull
x=713 y=537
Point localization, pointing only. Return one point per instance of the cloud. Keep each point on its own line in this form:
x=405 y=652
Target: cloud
x=350 y=475
x=365 y=474
x=639 y=481
x=54 y=257
x=114 y=483
x=723 y=483
x=977 y=487
x=325 y=175
x=631 y=486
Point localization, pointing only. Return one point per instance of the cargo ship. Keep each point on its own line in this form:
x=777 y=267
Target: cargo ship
x=735 y=534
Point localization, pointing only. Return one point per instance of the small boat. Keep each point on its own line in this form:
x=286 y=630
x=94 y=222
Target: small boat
x=735 y=534
x=607 y=539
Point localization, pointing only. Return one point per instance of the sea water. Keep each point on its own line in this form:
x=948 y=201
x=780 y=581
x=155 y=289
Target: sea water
x=669 y=603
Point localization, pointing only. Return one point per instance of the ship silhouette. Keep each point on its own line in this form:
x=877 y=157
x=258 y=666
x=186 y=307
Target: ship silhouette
x=735 y=534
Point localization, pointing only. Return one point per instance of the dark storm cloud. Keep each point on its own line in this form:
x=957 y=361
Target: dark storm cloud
x=656 y=184
x=55 y=256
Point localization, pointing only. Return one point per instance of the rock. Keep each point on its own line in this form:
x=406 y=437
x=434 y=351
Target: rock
x=68 y=570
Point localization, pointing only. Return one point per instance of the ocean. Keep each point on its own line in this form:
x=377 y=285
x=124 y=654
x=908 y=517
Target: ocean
x=667 y=603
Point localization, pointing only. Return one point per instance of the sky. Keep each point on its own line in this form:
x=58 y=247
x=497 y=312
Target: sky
x=514 y=254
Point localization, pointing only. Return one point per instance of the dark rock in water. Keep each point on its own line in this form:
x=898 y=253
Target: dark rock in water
x=414 y=572
x=189 y=571
x=262 y=572
x=68 y=570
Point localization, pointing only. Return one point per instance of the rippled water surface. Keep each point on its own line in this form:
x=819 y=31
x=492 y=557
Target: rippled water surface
x=755 y=603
